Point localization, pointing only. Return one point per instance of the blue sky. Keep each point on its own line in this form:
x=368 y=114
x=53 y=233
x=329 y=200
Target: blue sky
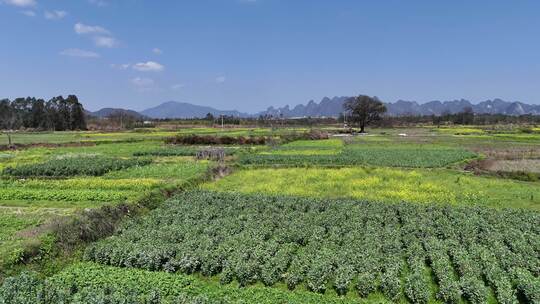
x=250 y=54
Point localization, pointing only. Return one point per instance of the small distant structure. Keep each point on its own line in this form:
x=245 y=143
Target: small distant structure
x=402 y=134
x=211 y=154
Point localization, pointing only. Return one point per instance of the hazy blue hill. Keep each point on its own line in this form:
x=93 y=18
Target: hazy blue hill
x=331 y=107
x=109 y=111
x=174 y=109
x=334 y=106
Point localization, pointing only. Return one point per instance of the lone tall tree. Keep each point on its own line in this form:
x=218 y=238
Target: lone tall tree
x=364 y=110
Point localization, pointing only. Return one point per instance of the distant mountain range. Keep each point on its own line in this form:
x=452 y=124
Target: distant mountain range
x=105 y=112
x=173 y=109
x=334 y=106
x=329 y=107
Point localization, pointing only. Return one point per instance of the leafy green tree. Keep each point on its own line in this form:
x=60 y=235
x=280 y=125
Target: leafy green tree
x=21 y=110
x=38 y=116
x=56 y=114
x=77 y=119
x=364 y=110
x=5 y=113
x=8 y=120
x=465 y=117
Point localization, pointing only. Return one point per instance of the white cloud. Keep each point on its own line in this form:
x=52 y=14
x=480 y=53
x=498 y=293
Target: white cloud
x=157 y=51
x=100 y=35
x=150 y=66
x=124 y=66
x=82 y=29
x=220 y=79
x=55 y=15
x=29 y=13
x=107 y=42
x=178 y=86
x=99 y=3
x=142 y=82
x=21 y=3
x=79 y=53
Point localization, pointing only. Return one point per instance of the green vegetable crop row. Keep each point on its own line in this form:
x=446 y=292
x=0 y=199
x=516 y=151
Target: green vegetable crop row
x=93 y=166
x=350 y=246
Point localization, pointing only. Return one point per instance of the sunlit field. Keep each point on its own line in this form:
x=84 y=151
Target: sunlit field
x=411 y=215
x=38 y=184
x=385 y=185
x=269 y=152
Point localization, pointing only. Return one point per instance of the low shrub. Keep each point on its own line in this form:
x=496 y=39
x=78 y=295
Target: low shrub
x=310 y=135
x=195 y=139
x=215 y=140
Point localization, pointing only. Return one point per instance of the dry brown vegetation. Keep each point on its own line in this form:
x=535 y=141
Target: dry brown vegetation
x=510 y=153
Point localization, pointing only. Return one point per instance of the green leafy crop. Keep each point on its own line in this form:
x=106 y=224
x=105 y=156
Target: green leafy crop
x=73 y=166
x=346 y=245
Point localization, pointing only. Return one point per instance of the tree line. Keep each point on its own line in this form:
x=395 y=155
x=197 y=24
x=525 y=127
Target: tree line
x=462 y=118
x=58 y=114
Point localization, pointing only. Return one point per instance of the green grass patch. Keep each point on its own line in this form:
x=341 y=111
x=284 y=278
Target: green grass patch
x=15 y=220
x=461 y=130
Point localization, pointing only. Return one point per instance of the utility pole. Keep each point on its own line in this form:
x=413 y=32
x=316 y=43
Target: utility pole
x=8 y=134
x=221 y=122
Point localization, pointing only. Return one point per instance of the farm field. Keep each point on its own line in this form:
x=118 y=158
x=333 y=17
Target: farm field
x=358 y=153
x=82 y=136
x=384 y=185
x=325 y=244
x=395 y=216
x=26 y=138
x=39 y=184
x=531 y=165
x=88 y=282
x=269 y=152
